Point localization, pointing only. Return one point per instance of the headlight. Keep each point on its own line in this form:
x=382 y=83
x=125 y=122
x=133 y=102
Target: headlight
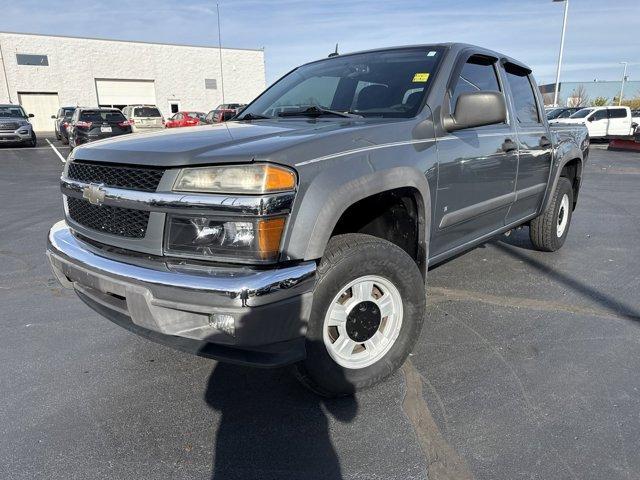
x=251 y=239
x=255 y=178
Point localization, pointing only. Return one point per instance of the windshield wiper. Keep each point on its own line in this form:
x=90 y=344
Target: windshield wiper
x=315 y=111
x=251 y=116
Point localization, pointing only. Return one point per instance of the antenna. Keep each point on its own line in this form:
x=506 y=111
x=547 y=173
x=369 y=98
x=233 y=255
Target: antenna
x=220 y=50
x=335 y=53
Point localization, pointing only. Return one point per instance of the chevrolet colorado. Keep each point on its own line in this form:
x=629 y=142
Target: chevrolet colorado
x=301 y=232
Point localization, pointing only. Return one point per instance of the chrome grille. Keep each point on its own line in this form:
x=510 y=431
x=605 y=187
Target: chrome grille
x=11 y=126
x=124 y=222
x=131 y=178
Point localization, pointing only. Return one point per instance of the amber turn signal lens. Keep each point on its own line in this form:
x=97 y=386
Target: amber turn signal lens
x=278 y=179
x=269 y=236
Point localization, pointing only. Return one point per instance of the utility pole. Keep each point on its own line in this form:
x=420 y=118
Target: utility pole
x=4 y=70
x=624 y=79
x=564 y=27
x=220 y=50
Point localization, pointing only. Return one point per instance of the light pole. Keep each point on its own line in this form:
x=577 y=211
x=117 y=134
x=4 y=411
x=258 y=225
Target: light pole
x=564 y=27
x=624 y=79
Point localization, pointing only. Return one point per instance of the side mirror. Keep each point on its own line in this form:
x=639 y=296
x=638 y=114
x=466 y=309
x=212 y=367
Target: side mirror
x=476 y=109
x=53 y=116
x=31 y=115
x=590 y=119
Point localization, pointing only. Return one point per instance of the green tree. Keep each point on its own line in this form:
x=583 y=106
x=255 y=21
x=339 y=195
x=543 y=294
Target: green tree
x=600 y=102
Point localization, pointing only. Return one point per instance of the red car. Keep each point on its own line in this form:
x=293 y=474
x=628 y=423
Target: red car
x=185 y=119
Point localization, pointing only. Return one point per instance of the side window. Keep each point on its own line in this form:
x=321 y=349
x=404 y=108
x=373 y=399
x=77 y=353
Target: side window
x=524 y=99
x=600 y=115
x=477 y=74
x=617 y=113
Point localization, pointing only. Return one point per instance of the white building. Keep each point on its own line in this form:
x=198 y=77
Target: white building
x=45 y=72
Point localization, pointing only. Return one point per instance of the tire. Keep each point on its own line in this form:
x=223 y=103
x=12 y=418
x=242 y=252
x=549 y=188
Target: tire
x=33 y=141
x=396 y=281
x=64 y=140
x=548 y=232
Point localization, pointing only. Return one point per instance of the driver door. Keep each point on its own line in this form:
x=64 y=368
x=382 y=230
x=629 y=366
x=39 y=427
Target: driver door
x=477 y=166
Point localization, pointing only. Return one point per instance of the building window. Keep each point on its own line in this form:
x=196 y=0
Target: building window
x=37 y=60
x=210 y=83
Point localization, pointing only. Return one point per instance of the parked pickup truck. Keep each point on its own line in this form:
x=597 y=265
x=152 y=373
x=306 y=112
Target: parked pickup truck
x=603 y=122
x=301 y=233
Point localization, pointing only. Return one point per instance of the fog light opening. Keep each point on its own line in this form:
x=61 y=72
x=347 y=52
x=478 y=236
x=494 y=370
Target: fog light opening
x=223 y=322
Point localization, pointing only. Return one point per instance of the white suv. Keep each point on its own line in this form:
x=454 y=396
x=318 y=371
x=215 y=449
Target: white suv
x=144 y=118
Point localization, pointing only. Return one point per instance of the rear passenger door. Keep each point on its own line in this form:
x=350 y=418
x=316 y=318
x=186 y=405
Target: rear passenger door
x=619 y=122
x=534 y=145
x=477 y=166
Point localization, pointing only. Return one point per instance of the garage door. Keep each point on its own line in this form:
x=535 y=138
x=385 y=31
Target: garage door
x=120 y=93
x=42 y=105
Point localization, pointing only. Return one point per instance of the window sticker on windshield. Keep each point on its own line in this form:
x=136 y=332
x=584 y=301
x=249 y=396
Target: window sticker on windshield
x=420 y=77
x=432 y=53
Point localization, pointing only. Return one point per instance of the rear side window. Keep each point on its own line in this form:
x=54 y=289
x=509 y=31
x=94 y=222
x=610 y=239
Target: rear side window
x=101 y=116
x=617 y=113
x=478 y=74
x=146 y=112
x=523 y=98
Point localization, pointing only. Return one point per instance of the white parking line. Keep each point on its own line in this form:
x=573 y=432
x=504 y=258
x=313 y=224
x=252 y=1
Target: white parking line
x=62 y=159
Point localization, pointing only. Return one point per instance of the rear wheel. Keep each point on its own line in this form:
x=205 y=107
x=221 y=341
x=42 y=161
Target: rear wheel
x=368 y=309
x=548 y=232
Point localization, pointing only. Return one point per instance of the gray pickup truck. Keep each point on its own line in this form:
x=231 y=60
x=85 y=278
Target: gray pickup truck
x=301 y=232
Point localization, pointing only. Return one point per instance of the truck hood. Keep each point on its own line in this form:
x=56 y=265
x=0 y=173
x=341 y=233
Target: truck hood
x=279 y=140
x=569 y=121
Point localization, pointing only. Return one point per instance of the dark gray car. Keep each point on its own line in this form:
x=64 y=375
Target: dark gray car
x=15 y=126
x=302 y=232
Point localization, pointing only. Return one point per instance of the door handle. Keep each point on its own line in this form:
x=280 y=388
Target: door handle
x=509 y=146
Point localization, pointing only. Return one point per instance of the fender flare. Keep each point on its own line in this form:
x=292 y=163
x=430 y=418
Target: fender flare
x=574 y=153
x=309 y=236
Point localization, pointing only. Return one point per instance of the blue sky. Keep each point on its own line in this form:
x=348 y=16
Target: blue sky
x=600 y=33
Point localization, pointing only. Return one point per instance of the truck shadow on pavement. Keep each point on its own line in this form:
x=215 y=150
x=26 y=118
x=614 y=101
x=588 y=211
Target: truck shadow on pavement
x=271 y=427
x=514 y=245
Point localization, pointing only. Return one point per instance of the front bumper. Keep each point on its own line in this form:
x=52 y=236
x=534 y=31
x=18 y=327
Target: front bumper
x=20 y=135
x=173 y=304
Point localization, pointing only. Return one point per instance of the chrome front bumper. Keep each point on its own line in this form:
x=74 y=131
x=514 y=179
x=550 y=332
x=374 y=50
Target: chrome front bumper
x=269 y=307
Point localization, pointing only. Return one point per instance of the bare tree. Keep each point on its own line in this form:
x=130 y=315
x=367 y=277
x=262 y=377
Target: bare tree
x=578 y=98
x=547 y=99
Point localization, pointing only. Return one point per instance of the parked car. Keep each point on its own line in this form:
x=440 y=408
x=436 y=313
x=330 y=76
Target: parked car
x=90 y=124
x=603 y=122
x=61 y=121
x=302 y=233
x=224 y=112
x=561 y=112
x=15 y=126
x=144 y=118
x=185 y=119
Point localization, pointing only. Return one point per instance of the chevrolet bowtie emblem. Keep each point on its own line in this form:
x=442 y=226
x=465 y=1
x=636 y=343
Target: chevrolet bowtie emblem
x=94 y=193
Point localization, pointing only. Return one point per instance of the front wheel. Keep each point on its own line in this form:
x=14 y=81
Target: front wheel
x=549 y=231
x=368 y=309
x=33 y=141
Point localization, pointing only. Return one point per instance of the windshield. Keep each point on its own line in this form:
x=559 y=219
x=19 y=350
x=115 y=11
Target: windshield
x=12 y=111
x=102 y=116
x=582 y=113
x=384 y=84
x=146 y=112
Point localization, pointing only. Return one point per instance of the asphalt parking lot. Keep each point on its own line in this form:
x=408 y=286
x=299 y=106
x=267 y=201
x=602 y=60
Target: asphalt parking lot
x=527 y=367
